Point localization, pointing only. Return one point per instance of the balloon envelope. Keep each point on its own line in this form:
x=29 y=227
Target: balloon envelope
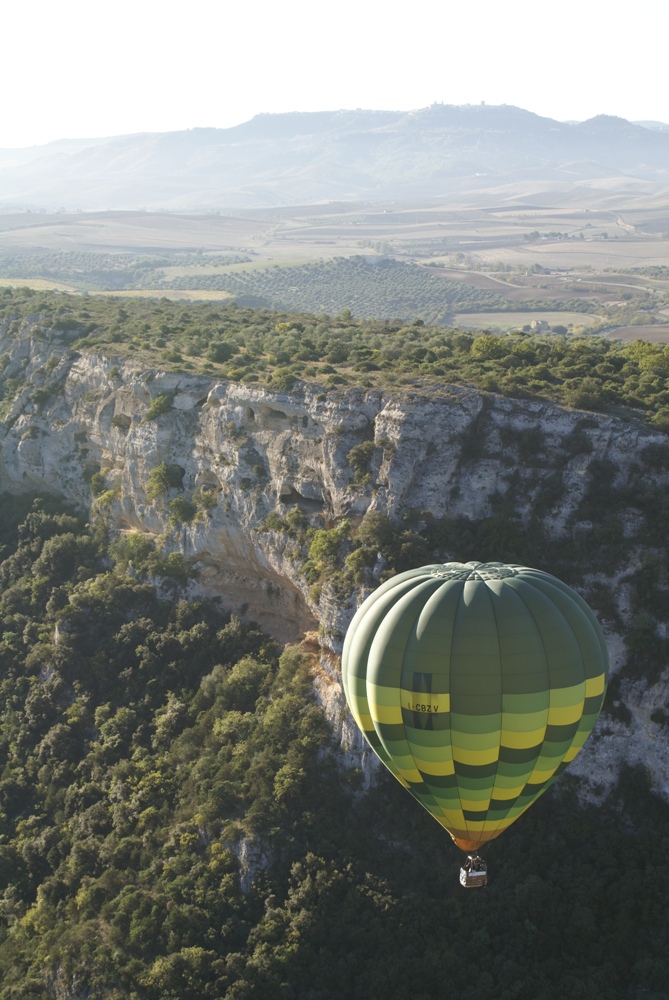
x=476 y=684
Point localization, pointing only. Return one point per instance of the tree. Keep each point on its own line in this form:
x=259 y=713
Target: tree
x=163 y=478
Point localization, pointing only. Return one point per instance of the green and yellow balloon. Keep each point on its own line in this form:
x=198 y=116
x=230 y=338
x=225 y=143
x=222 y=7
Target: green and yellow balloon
x=476 y=684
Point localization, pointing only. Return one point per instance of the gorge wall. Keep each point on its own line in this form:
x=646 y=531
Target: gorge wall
x=455 y=453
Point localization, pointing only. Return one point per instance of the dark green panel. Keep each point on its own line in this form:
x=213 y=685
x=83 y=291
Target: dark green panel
x=531 y=790
x=421 y=683
x=476 y=770
x=544 y=581
x=429 y=645
x=475 y=815
x=428 y=740
x=440 y=781
x=467 y=783
x=386 y=652
x=475 y=723
x=583 y=625
x=592 y=706
x=500 y=808
x=510 y=755
x=523 y=683
x=483 y=702
x=366 y=621
x=519 y=770
x=562 y=650
x=523 y=661
x=555 y=750
x=561 y=734
x=588 y=721
x=389 y=733
x=424 y=720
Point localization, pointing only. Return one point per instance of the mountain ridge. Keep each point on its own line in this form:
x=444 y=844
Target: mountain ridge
x=301 y=157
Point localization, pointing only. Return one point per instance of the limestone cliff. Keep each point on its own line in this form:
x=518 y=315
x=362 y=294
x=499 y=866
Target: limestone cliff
x=453 y=453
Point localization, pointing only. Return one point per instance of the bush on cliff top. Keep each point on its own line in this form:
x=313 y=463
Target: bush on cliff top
x=276 y=348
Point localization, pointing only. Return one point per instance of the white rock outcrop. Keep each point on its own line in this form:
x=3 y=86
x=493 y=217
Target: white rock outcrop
x=453 y=453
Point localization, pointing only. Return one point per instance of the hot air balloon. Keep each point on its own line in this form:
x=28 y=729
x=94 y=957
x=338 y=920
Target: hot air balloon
x=476 y=684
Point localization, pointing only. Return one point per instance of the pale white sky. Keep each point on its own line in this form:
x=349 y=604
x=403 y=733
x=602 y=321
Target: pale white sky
x=85 y=68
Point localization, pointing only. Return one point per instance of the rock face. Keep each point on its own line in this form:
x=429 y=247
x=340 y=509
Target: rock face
x=254 y=856
x=251 y=452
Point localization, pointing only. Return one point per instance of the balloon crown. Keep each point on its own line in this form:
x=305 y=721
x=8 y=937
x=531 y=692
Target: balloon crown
x=475 y=571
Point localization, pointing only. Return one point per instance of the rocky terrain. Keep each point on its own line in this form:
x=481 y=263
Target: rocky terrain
x=457 y=453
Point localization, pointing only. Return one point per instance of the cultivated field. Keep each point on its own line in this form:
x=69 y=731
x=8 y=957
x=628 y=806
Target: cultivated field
x=595 y=257
x=512 y=321
x=184 y=295
x=38 y=284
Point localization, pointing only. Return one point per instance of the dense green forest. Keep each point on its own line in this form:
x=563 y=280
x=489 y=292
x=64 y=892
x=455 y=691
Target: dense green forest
x=145 y=739
x=277 y=348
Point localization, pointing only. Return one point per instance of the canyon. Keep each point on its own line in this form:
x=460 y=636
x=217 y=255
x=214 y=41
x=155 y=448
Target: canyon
x=452 y=453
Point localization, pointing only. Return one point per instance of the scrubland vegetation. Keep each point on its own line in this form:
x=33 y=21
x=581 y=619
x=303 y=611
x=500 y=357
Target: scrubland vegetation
x=148 y=743
x=175 y=820
x=278 y=348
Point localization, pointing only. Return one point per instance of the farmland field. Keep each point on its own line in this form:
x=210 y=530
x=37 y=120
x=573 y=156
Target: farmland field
x=585 y=258
x=168 y=293
x=656 y=334
x=513 y=320
x=38 y=284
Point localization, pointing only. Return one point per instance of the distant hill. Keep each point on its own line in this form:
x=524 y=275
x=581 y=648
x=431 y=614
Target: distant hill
x=662 y=126
x=298 y=158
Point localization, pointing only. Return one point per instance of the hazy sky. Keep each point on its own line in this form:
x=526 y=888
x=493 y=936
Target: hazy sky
x=94 y=68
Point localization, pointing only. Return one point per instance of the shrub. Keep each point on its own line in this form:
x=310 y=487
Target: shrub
x=106 y=497
x=134 y=548
x=273 y=522
x=163 y=478
x=584 y=393
x=324 y=549
x=98 y=483
x=121 y=421
x=175 y=567
x=161 y=404
x=376 y=531
x=359 y=562
x=577 y=443
x=661 y=419
x=359 y=458
x=282 y=380
x=205 y=497
x=296 y=521
x=220 y=353
x=182 y=511
x=655 y=456
x=40 y=396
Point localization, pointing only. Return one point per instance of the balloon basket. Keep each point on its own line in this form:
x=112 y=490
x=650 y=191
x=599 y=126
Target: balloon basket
x=474 y=873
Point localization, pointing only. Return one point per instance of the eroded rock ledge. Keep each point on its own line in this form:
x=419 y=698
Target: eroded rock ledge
x=454 y=453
